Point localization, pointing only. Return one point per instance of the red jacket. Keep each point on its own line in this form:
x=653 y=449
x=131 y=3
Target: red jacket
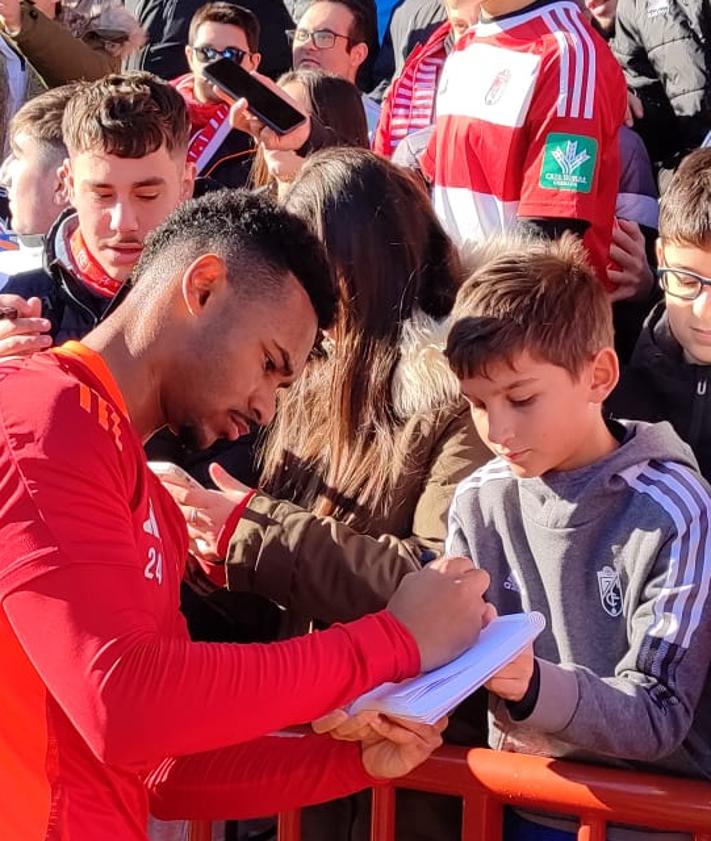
x=409 y=103
x=104 y=700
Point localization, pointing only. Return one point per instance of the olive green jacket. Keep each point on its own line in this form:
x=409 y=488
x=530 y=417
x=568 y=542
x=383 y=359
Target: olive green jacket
x=59 y=54
x=326 y=570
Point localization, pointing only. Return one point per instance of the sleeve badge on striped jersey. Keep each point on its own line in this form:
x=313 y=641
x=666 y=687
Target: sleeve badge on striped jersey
x=568 y=163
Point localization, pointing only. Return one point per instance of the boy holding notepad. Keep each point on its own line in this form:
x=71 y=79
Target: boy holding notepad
x=604 y=527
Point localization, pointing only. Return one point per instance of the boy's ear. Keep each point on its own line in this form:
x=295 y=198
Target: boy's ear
x=605 y=372
x=61 y=186
x=188 y=182
x=66 y=176
x=659 y=248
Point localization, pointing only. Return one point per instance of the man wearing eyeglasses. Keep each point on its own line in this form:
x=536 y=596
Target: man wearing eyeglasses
x=218 y=30
x=332 y=35
x=669 y=375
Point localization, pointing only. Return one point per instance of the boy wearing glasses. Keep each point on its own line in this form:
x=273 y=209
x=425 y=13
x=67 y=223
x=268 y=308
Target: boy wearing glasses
x=669 y=374
x=218 y=30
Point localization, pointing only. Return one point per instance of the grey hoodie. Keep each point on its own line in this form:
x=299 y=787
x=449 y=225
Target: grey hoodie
x=617 y=556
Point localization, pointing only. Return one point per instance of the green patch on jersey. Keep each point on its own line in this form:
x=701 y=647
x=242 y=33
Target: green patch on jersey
x=568 y=163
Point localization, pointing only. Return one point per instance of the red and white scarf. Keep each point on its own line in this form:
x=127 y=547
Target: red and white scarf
x=208 y=120
x=88 y=268
x=409 y=103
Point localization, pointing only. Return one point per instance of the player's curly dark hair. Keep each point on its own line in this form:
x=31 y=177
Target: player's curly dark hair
x=259 y=241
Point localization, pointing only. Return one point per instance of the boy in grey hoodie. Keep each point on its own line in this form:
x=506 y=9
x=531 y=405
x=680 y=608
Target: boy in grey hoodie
x=604 y=527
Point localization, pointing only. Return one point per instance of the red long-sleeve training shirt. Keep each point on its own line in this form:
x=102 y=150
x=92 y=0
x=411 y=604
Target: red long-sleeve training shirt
x=101 y=688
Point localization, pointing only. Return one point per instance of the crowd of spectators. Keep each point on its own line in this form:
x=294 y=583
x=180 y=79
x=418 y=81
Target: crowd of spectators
x=441 y=352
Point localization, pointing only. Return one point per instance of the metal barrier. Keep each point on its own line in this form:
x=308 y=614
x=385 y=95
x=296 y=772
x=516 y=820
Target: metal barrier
x=489 y=780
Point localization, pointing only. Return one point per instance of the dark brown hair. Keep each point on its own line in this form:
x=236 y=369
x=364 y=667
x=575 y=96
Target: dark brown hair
x=231 y=15
x=336 y=104
x=685 y=208
x=539 y=296
x=394 y=267
x=129 y=115
x=41 y=117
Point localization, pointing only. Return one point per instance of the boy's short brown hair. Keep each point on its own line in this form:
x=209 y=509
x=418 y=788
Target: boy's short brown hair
x=685 y=208
x=230 y=15
x=41 y=118
x=129 y=115
x=536 y=296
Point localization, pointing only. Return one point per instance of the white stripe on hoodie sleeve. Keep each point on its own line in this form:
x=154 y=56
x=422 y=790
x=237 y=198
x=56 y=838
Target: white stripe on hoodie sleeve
x=645 y=710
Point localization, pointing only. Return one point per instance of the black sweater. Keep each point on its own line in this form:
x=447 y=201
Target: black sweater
x=658 y=384
x=664 y=47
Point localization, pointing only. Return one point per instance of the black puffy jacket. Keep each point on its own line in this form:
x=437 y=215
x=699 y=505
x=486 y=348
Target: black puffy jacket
x=664 y=47
x=69 y=304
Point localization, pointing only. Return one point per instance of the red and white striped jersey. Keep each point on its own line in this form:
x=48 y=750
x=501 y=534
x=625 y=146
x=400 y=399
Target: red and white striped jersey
x=528 y=111
x=409 y=103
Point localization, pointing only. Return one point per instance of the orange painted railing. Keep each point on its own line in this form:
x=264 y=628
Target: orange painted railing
x=488 y=780
x=200 y=831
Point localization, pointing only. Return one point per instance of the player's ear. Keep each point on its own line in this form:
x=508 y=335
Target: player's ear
x=201 y=280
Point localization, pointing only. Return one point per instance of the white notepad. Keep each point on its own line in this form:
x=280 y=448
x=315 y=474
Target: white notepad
x=433 y=694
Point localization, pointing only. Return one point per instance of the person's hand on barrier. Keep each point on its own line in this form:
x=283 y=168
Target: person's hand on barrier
x=22 y=328
x=243 y=120
x=207 y=511
x=634 y=278
x=511 y=683
x=443 y=611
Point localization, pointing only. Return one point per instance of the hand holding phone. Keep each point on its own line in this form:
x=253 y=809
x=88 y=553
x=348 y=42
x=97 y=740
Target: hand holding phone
x=242 y=119
x=265 y=100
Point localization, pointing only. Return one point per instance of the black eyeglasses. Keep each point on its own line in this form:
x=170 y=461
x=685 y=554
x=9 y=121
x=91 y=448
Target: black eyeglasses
x=208 y=54
x=681 y=283
x=323 y=39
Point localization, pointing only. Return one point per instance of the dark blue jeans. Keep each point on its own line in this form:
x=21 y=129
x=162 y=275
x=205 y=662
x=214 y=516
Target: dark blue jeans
x=517 y=828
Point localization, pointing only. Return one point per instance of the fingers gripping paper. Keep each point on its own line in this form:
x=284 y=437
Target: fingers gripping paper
x=431 y=695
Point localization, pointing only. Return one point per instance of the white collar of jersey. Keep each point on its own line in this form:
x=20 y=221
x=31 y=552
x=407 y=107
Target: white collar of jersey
x=492 y=27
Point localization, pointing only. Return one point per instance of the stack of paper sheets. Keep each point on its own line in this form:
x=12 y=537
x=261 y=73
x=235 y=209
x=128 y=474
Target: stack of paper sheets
x=431 y=695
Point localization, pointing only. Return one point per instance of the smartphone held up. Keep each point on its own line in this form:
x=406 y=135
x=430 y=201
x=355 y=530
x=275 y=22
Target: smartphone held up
x=267 y=105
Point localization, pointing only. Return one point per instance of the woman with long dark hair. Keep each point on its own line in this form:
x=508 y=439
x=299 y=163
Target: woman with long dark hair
x=367 y=447
x=334 y=102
